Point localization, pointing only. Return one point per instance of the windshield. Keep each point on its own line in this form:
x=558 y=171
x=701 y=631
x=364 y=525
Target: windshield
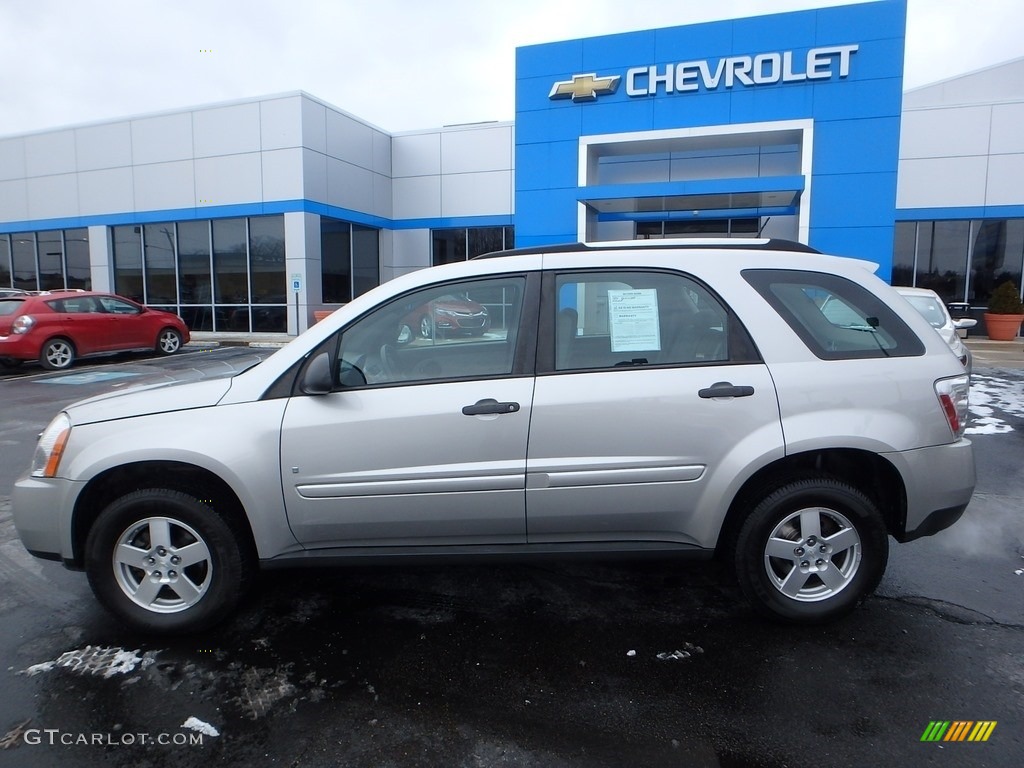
x=930 y=309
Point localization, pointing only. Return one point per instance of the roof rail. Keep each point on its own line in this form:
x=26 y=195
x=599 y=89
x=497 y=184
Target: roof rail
x=737 y=243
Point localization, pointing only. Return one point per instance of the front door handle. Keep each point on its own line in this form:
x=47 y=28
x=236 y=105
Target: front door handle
x=724 y=389
x=489 y=405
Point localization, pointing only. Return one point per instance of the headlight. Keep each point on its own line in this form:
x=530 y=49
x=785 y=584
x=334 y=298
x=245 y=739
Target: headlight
x=51 y=446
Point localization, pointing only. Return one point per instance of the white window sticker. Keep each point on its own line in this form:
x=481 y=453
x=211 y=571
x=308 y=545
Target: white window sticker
x=633 y=317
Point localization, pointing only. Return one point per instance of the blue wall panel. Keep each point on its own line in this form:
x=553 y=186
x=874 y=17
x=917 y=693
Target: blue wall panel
x=776 y=32
x=856 y=119
x=548 y=165
x=710 y=39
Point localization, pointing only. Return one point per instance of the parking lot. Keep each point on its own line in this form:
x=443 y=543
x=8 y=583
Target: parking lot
x=543 y=664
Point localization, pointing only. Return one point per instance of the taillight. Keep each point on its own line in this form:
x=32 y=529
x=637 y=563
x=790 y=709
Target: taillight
x=23 y=324
x=953 y=396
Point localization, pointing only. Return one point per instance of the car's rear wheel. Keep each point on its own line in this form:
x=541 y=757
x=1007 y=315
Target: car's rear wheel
x=163 y=561
x=811 y=550
x=57 y=354
x=168 y=342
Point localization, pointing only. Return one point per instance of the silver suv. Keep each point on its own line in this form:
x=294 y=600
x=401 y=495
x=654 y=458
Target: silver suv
x=782 y=409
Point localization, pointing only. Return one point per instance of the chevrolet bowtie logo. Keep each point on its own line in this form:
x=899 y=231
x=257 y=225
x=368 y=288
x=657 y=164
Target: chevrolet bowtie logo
x=584 y=87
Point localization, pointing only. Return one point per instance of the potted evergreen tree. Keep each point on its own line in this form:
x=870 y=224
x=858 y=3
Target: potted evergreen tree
x=1005 y=313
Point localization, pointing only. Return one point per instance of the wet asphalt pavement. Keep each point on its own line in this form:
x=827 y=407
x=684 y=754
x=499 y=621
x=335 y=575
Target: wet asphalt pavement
x=545 y=664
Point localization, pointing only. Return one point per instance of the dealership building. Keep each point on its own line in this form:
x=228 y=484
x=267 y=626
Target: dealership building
x=248 y=216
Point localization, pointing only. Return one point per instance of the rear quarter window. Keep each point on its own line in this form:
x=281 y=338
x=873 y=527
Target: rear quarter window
x=835 y=317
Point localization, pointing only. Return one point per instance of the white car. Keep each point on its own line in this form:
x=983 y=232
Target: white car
x=930 y=305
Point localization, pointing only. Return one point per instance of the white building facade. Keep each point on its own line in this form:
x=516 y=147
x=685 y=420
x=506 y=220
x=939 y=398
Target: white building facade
x=249 y=216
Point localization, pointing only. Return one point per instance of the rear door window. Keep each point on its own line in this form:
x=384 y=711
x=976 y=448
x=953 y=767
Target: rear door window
x=624 y=319
x=836 y=318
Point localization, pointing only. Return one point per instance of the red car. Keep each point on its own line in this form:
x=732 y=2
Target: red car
x=58 y=327
x=446 y=316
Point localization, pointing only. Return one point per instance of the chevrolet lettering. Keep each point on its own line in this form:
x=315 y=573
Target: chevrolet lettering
x=762 y=69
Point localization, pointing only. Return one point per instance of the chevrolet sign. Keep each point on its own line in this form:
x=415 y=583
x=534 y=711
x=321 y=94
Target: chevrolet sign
x=817 y=64
x=584 y=87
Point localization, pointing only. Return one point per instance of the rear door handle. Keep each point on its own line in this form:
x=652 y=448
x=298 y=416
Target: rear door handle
x=489 y=405
x=724 y=389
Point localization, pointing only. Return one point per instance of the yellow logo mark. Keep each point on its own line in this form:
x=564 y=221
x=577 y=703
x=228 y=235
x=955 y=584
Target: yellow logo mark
x=584 y=87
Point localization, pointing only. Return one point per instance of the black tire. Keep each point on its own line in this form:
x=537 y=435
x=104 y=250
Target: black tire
x=833 y=564
x=57 y=354
x=10 y=362
x=185 y=597
x=168 y=341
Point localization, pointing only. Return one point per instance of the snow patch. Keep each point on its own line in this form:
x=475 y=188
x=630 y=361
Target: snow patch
x=988 y=395
x=96 y=661
x=195 y=724
x=688 y=650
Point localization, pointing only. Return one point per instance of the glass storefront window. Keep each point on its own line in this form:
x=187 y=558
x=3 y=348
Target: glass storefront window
x=51 y=260
x=194 y=282
x=23 y=261
x=128 y=262
x=365 y=259
x=960 y=260
x=484 y=240
x=998 y=256
x=5 y=261
x=266 y=259
x=161 y=277
x=335 y=260
x=943 y=266
x=903 y=253
x=449 y=245
x=76 y=258
x=230 y=264
x=349 y=260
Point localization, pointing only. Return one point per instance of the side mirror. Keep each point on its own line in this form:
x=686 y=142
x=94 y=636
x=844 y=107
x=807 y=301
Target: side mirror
x=317 y=378
x=964 y=323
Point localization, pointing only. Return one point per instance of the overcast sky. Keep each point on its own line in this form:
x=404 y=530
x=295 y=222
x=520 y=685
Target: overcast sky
x=399 y=64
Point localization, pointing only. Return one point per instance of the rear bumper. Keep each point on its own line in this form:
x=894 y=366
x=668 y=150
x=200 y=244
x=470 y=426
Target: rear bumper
x=939 y=481
x=18 y=347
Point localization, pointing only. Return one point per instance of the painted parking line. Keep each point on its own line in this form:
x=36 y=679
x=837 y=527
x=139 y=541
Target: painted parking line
x=92 y=377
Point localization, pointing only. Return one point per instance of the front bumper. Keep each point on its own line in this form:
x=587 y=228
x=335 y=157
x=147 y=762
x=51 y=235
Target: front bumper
x=42 y=512
x=939 y=481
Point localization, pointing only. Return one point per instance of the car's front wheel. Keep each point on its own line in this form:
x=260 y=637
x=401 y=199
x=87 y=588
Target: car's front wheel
x=168 y=342
x=57 y=354
x=811 y=550
x=163 y=561
x=426 y=327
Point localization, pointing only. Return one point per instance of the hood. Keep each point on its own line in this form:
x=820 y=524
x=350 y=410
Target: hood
x=149 y=399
